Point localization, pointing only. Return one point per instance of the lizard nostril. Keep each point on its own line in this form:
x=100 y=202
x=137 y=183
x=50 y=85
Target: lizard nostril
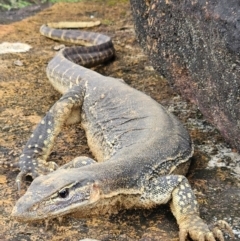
x=63 y=193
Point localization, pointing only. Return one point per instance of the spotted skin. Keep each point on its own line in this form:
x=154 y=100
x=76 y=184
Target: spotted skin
x=142 y=150
x=77 y=162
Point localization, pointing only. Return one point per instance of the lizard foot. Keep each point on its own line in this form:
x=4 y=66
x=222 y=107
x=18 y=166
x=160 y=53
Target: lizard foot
x=34 y=169
x=195 y=227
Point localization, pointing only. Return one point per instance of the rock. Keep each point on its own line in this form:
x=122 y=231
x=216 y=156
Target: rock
x=59 y=47
x=196 y=46
x=13 y=47
x=18 y=62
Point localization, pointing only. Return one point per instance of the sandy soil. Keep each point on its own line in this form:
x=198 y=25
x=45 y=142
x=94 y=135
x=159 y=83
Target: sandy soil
x=26 y=96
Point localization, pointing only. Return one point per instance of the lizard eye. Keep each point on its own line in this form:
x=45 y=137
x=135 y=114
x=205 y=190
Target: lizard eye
x=63 y=193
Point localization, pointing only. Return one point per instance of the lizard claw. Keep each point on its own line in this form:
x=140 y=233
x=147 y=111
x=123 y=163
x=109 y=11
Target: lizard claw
x=19 y=180
x=221 y=224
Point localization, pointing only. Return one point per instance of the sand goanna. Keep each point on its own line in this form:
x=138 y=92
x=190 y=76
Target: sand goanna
x=142 y=150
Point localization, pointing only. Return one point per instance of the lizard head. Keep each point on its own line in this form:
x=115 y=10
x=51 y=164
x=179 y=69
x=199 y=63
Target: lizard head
x=58 y=193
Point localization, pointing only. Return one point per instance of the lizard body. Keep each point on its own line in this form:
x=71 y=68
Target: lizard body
x=142 y=150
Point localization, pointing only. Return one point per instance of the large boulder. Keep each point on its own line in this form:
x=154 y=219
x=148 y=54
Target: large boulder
x=195 y=44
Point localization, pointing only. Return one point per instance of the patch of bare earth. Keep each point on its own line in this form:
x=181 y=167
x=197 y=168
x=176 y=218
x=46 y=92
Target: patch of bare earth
x=26 y=96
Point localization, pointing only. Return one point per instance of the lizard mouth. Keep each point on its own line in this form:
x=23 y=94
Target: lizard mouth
x=21 y=213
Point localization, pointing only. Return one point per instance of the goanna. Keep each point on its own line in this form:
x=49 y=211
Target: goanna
x=142 y=150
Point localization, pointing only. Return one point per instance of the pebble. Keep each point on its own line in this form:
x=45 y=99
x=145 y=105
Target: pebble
x=18 y=63
x=59 y=47
x=7 y=47
x=6 y=128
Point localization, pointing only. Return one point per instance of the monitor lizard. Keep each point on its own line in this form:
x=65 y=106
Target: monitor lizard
x=142 y=150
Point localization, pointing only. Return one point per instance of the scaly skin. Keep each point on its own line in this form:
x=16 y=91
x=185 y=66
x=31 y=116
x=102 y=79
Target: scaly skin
x=142 y=150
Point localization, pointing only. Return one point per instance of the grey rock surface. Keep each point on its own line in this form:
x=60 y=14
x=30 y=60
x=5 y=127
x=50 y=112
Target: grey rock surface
x=196 y=46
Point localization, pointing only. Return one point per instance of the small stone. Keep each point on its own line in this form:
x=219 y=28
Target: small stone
x=6 y=128
x=7 y=47
x=59 y=47
x=18 y=63
x=149 y=68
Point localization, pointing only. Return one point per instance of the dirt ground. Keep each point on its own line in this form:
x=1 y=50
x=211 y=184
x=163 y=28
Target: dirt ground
x=26 y=96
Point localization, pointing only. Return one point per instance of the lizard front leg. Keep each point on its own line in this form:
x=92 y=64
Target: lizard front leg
x=33 y=160
x=183 y=203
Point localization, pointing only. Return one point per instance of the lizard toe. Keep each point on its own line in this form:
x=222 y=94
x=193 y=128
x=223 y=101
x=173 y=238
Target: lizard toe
x=19 y=179
x=218 y=234
x=225 y=226
x=183 y=233
x=210 y=237
x=199 y=236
